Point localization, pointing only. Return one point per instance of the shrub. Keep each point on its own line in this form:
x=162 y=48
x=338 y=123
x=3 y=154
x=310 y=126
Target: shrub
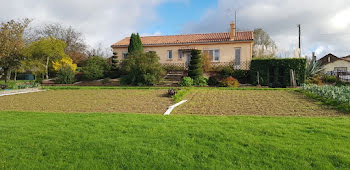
x=214 y=81
x=329 y=79
x=142 y=69
x=315 y=80
x=229 y=82
x=243 y=76
x=106 y=81
x=275 y=72
x=195 y=68
x=95 y=68
x=65 y=75
x=200 y=81
x=187 y=82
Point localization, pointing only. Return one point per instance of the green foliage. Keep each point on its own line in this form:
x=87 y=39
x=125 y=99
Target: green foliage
x=135 y=45
x=214 y=80
x=142 y=69
x=276 y=72
x=65 y=75
x=195 y=68
x=200 y=81
x=243 y=76
x=45 y=51
x=106 y=80
x=186 y=82
x=328 y=79
x=173 y=68
x=180 y=94
x=229 y=82
x=331 y=95
x=95 y=67
x=312 y=68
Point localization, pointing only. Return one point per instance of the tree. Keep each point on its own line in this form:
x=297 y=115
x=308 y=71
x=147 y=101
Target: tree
x=263 y=44
x=46 y=50
x=142 y=69
x=11 y=45
x=135 y=45
x=95 y=68
x=195 y=68
x=75 y=43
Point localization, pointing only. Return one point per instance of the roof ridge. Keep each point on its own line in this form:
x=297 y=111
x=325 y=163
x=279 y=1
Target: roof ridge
x=191 y=34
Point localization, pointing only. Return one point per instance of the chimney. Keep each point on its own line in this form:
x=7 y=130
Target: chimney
x=232 y=31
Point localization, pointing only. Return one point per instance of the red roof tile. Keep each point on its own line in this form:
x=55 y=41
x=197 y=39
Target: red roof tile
x=188 y=39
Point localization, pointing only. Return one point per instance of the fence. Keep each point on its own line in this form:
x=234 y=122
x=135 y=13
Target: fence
x=214 y=65
x=342 y=76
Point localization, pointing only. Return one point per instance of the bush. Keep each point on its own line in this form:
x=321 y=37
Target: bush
x=65 y=75
x=329 y=79
x=106 y=81
x=142 y=69
x=173 y=68
x=229 y=82
x=95 y=68
x=195 y=68
x=315 y=80
x=187 y=82
x=200 y=81
x=214 y=81
x=243 y=76
x=276 y=72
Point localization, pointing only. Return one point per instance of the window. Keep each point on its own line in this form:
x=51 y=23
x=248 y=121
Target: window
x=170 y=54
x=181 y=54
x=237 y=58
x=340 y=69
x=125 y=54
x=214 y=55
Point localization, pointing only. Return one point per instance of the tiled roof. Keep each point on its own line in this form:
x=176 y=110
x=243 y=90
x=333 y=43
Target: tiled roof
x=189 y=39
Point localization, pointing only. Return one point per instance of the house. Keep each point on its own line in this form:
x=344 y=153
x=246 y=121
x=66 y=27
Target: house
x=333 y=64
x=222 y=48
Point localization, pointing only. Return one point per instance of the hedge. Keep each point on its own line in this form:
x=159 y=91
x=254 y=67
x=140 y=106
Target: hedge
x=275 y=72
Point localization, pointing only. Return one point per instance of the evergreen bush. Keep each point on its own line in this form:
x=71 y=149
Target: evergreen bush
x=275 y=72
x=65 y=75
x=195 y=68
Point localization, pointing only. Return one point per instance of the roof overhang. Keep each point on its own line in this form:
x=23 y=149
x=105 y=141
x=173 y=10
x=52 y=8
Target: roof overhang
x=194 y=43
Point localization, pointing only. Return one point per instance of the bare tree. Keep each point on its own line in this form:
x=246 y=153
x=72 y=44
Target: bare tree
x=99 y=51
x=263 y=44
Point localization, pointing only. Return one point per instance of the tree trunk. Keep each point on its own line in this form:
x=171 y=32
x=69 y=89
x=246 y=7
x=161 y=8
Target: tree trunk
x=47 y=67
x=7 y=74
x=15 y=77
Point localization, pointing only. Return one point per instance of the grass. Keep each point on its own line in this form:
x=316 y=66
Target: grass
x=31 y=140
x=88 y=100
x=252 y=102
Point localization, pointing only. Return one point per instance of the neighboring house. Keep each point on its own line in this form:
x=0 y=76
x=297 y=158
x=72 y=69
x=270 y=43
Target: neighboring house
x=222 y=48
x=333 y=64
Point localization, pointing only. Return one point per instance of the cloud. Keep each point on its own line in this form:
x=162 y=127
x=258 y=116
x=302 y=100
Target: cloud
x=105 y=21
x=324 y=23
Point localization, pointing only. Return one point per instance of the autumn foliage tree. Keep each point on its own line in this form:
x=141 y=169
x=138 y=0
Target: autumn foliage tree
x=11 y=45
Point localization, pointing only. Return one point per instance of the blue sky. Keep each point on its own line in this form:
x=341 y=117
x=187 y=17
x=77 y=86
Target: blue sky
x=173 y=16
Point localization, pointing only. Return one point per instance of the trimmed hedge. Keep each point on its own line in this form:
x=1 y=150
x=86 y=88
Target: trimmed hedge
x=275 y=72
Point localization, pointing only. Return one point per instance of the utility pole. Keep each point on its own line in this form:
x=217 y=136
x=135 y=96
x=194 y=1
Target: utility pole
x=299 y=26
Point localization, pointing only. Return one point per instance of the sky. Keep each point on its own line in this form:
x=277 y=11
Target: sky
x=325 y=24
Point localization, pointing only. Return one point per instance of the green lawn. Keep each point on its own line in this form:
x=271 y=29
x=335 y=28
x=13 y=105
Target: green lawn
x=132 y=141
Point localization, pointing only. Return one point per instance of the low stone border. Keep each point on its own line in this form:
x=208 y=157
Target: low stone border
x=20 y=91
